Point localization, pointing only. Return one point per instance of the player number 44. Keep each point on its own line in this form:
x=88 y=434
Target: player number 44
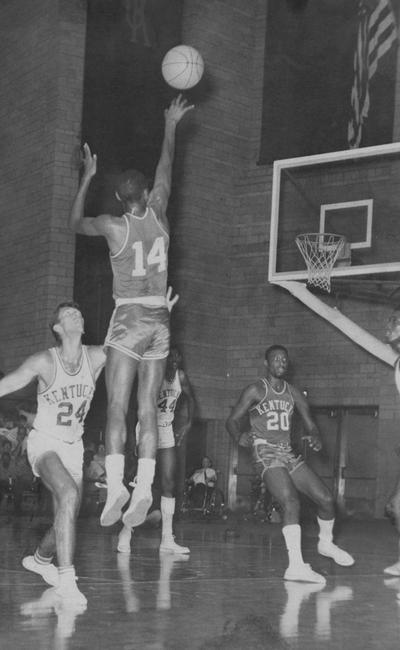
x=156 y=256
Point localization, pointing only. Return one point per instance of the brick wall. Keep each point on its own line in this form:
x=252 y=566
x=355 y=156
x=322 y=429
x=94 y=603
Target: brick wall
x=42 y=63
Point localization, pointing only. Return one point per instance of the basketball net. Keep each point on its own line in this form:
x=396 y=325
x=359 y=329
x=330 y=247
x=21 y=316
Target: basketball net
x=320 y=252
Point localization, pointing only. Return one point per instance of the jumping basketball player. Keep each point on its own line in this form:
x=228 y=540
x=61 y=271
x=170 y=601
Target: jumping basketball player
x=66 y=377
x=138 y=338
x=388 y=352
x=270 y=403
x=175 y=382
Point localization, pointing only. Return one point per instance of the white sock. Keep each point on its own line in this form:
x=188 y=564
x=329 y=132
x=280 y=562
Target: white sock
x=125 y=535
x=115 y=464
x=67 y=577
x=325 y=529
x=40 y=559
x=145 y=472
x=292 y=535
x=167 y=514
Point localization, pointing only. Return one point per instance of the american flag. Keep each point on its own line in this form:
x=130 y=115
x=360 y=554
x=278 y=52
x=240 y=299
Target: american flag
x=377 y=31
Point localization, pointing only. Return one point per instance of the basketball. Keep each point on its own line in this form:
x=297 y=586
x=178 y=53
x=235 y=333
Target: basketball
x=182 y=67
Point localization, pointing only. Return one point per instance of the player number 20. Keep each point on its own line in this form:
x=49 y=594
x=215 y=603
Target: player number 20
x=156 y=256
x=278 y=421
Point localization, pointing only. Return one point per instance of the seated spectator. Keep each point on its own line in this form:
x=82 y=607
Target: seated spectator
x=28 y=417
x=22 y=439
x=9 y=431
x=94 y=476
x=7 y=475
x=203 y=481
x=93 y=471
x=6 y=447
x=100 y=455
x=89 y=444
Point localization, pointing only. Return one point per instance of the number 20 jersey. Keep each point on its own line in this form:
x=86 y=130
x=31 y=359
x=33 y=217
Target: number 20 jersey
x=271 y=417
x=63 y=405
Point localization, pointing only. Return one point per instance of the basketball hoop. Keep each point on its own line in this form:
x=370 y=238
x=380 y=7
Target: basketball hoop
x=320 y=251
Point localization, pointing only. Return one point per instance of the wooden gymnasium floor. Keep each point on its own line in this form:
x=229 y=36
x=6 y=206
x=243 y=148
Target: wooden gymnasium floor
x=228 y=595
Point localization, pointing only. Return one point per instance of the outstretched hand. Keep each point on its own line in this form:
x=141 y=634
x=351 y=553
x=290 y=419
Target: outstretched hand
x=169 y=300
x=177 y=109
x=89 y=162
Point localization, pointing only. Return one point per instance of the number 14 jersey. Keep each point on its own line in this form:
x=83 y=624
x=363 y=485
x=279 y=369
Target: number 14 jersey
x=271 y=417
x=63 y=405
x=140 y=266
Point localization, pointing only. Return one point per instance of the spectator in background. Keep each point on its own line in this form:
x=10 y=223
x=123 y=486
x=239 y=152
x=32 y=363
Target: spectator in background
x=93 y=470
x=22 y=438
x=203 y=481
x=7 y=475
x=24 y=479
x=100 y=455
x=93 y=476
x=9 y=431
x=6 y=447
x=28 y=417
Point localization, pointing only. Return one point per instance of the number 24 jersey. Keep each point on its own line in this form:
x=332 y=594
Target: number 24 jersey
x=63 y=405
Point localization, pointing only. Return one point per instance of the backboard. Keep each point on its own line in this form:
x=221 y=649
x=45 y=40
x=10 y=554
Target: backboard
x=355 y=193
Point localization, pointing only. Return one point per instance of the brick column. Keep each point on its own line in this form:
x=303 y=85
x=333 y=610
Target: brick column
x=42 y=53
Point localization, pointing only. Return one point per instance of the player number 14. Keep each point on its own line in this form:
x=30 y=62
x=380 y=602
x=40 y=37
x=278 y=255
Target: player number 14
x=156 y=255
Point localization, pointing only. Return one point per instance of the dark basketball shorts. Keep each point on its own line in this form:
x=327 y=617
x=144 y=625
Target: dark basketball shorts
x=139 y=331
x=269 y=456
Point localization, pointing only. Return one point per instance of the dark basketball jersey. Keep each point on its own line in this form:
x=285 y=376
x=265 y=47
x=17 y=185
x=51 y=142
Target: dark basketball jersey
x=271 y=417
x=140 y=267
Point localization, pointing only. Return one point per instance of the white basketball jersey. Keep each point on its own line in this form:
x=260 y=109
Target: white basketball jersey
x=63 y=405
x=167 y=400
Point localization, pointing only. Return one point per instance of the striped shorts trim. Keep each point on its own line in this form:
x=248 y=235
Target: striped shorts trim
x=268 y=456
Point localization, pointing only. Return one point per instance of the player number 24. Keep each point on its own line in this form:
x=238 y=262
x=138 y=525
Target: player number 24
x=156 y=255
x=65 y=411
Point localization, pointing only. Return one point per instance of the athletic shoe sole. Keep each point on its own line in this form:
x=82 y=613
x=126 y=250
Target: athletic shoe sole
x=137 y=511
x=112 y=514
